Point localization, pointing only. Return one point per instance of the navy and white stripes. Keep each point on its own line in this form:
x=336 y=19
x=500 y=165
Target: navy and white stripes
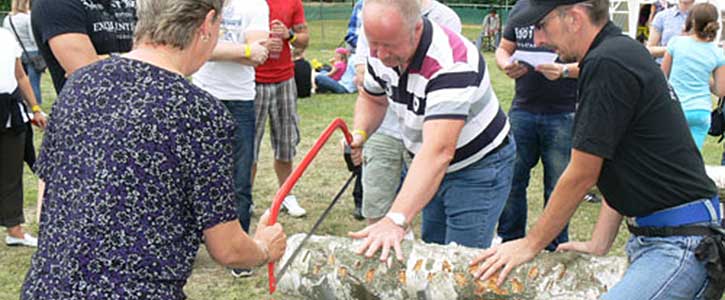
x=447 y=79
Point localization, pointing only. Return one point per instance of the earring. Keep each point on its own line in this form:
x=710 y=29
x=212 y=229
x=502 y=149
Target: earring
x=205 y=37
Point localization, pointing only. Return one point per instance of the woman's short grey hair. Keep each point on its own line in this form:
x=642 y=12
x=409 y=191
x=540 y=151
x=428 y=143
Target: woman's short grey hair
x=172 y=22
x=409 y=9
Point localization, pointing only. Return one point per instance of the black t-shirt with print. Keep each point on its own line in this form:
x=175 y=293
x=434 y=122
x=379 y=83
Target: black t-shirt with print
x=631 y=117
x=108 y=23
x=535 y=93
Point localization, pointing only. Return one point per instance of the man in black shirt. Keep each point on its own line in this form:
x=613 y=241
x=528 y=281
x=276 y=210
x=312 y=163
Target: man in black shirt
x=541 y=117
x=631 y=139
x=74 y=33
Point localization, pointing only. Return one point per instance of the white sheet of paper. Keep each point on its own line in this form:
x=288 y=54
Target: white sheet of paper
x=534 y=58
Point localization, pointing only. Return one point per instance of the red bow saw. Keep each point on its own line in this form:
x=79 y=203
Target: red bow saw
x=292 y=180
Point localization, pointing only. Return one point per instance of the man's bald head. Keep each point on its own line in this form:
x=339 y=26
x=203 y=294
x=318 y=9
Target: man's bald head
x=408 y=11
x=393 y=29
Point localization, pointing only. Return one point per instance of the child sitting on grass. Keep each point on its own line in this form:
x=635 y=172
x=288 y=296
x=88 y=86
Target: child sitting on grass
x=329 y=81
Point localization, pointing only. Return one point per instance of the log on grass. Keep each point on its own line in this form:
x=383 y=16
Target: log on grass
x=328 y=268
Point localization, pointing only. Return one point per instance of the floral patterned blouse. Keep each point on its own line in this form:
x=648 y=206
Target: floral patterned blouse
x=137 y=163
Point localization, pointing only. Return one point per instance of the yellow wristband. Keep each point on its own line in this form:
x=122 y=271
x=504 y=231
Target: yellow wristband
x=35 y=108
x=362 y=133
x=293 y=39
x=247 y=51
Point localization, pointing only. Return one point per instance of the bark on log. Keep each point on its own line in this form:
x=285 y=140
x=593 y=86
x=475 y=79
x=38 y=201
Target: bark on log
x=328 y=268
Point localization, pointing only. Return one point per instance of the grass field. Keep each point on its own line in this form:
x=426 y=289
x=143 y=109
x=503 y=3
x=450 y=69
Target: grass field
x=319 y=184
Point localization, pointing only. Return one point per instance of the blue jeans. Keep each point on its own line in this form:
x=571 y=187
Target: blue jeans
x=538 y=136
x=326 y=84
x=243 y=156
x=468 y=202
x=661 y=268
x=34 y=78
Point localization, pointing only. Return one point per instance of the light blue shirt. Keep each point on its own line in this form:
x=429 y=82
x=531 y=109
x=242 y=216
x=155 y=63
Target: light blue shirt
x=669 y=23
x=692 y=64
x=348 y=78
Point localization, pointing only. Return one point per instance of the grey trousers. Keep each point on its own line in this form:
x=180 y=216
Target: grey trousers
x=12 y=145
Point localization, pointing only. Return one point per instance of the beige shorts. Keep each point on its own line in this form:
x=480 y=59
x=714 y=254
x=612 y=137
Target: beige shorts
x=383 y=160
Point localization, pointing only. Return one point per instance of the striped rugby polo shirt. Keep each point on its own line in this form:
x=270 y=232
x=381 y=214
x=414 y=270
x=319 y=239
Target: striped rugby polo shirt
x=447 y=79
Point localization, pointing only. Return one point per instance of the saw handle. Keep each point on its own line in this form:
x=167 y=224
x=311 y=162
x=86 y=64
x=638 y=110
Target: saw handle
x=348 y=160
x=296 y=174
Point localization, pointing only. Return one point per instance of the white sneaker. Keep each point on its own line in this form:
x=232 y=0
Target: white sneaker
x=293 y=208
x=27 y=240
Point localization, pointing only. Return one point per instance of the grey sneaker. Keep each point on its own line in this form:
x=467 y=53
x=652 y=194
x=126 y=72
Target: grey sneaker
x=241 y=273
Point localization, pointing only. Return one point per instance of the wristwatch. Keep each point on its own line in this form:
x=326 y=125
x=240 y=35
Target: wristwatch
x=565 y=71
x=398 y=219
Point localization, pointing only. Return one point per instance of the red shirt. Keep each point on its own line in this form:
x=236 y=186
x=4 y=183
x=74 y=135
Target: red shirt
x=291 y=13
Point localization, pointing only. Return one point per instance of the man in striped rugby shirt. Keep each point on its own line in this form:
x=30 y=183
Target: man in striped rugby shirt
x=437 y=84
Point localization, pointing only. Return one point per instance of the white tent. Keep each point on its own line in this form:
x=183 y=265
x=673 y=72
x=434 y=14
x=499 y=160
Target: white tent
x=625 y=13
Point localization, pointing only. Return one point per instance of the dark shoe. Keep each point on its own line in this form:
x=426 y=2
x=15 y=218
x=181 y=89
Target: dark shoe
x=592 y=198
x=241 y=273
x=358 y=214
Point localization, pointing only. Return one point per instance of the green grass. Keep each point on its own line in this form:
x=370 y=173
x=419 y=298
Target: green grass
x=315 y=189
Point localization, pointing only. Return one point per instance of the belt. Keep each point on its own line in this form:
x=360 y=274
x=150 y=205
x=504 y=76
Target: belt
x=700 y=211
x=672 y=231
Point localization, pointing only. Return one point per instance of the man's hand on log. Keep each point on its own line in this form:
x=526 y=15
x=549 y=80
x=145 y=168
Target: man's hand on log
x=383 y=234
x=271 y=236
x=588 y=247
x=503 y=257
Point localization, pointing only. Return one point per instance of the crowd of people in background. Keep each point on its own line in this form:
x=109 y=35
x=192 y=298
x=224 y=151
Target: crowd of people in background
x=167 y=107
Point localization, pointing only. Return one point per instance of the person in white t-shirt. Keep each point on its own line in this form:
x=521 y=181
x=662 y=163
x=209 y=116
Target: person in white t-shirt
x=229 y=76
x=14 y=118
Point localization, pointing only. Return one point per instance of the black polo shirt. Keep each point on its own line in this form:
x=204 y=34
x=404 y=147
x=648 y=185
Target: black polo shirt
x=629 y=116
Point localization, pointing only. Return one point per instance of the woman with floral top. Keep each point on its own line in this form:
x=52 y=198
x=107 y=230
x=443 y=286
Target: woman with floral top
x=138 y=170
